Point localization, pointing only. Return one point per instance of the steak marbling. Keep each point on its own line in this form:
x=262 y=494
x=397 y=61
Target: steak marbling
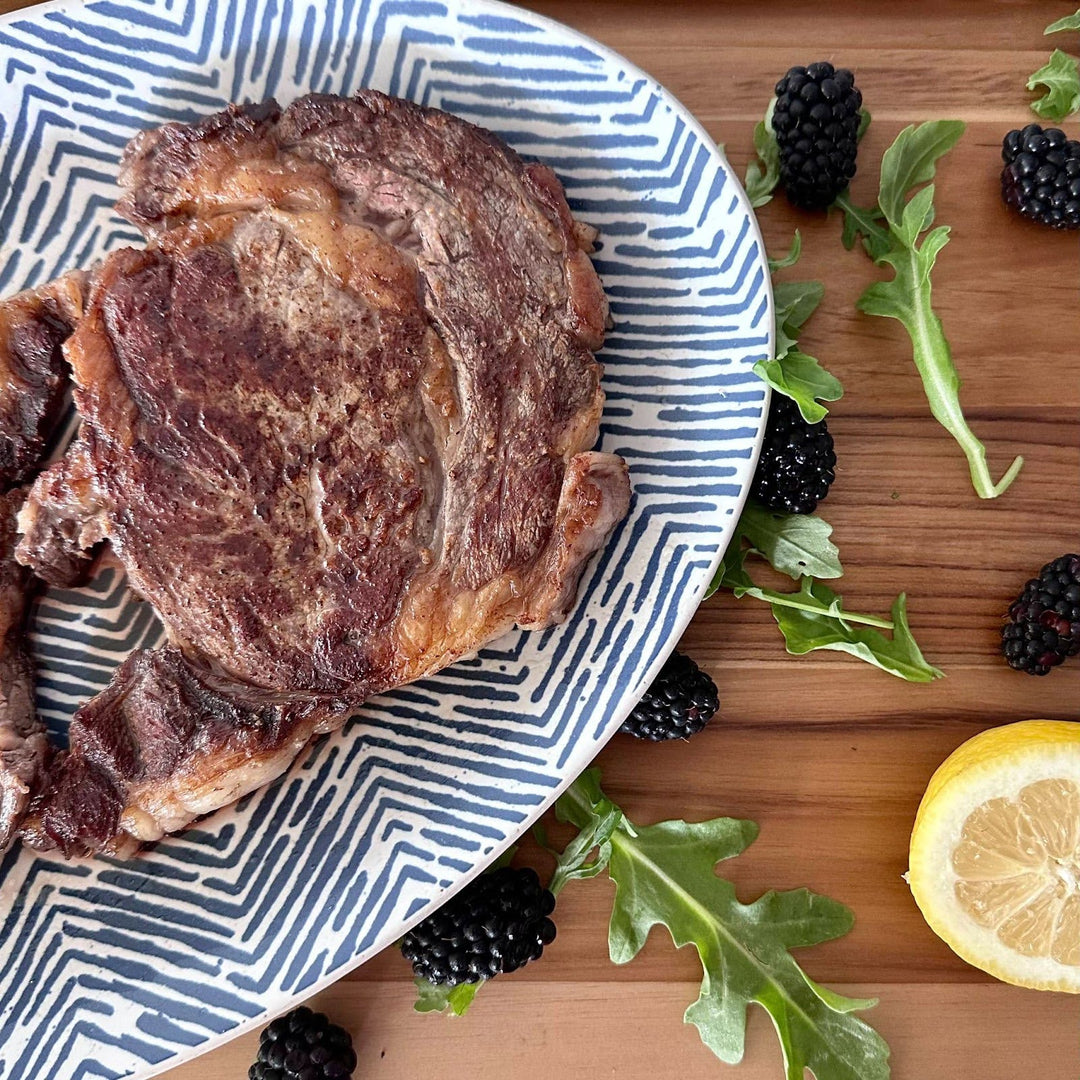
x=336 y=423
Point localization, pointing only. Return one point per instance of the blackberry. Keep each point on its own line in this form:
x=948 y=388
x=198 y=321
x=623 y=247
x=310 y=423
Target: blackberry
x=1044 y=620
x=303 y=1045
x=680 y=702
x=1041 y=178
x=495 y=925
x=816 y=122
x=797 y=460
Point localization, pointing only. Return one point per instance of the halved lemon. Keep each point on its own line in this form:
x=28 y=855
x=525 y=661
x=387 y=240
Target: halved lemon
x=995 y=853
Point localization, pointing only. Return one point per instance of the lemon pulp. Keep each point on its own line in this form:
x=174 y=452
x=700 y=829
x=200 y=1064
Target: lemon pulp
x=1018 y=869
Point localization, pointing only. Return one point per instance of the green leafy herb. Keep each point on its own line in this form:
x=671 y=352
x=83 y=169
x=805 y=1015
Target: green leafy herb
x=814 y=618
x=791 y=258
x=795 y=302
x=763 y=175
x=794 y=544
x=665 y=875
x=863 y=221
x=912 y=160
x=791 y=371
x=806 y=630
x=1061 y=77
x=1069 y=22
x=892 y=239
x=578 y=861
x=800 y=377
x=453 y=999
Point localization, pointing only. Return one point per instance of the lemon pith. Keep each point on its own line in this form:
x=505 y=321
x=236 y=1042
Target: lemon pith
x=995 y=853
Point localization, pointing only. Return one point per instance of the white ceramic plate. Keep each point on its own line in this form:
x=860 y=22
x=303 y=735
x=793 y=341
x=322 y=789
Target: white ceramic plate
x=112 y=969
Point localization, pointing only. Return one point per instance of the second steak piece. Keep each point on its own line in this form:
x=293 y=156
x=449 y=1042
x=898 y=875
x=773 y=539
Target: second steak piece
x=33 y=327
x=336 y=425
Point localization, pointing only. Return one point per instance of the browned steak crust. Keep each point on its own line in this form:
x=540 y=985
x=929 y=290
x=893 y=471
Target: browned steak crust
x=24 y=747
x=158 y=747
x=33 y=326
x=336 y=425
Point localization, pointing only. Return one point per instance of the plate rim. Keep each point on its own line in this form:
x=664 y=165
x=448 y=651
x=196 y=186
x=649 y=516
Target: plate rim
x=278 y=1002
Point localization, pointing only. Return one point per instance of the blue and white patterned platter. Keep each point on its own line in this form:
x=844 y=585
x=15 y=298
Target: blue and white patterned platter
x=111 y=969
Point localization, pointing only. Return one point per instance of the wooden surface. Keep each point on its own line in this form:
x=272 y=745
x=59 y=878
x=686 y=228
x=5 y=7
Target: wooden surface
x=828 y=755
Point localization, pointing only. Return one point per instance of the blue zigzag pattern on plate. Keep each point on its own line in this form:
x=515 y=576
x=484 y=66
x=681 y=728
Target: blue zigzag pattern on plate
x=111 y=969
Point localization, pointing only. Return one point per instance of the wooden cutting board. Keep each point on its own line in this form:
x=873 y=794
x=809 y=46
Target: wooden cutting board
x=829 y=755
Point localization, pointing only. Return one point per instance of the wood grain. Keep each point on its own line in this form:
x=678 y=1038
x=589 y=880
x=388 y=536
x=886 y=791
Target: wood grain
x=829 y=756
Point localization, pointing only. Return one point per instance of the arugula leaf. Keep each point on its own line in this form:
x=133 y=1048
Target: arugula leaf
x=733 y=575
x=791 y=371
x=665 y=875
x=791 y=258
x=806 y=631
x=1061 y=77
x=794 y=544
x=814 y=618
x=1069 y=22
x=761 y=179
x=912 y=160
x=576 y=862
x=863 y=221
x=909 y=162
x=801 y=378
x=796 y=301
x=455 y=999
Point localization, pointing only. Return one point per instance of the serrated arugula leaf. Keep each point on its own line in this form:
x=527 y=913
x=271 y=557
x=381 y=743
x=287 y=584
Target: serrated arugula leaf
x=806 y=630
x=1061 y=77
x=838 y=1001
x=814 y=617
x=791 y=258
x=1069 y=22
x=577 y=862
x=794 y=544
x=665 y=875
x=452 y=999
x=801 y=378
x=912 y=160
x=792 y=372
x=796 y=301
x=908 y=299
x=863 y=221
x=763 y=175
x=909 y=162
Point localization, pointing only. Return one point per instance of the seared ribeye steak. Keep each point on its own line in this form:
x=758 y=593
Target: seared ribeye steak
x=33 y=326
x=164 y=743
x=33 y=378
x=336 y=426
x=24 y=746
